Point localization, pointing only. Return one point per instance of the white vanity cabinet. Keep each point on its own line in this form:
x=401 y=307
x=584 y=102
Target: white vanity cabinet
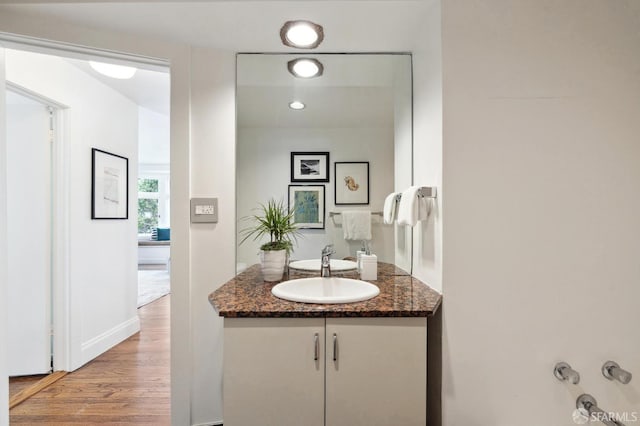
x=357 y=371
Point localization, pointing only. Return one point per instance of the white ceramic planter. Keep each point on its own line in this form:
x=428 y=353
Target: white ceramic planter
x=273 y=263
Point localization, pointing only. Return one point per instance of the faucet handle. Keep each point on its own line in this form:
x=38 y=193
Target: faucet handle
x=563 y=371
x=611 y=370
x=328 y=250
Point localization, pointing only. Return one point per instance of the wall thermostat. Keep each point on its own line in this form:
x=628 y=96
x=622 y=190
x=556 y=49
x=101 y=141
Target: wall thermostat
x=204 y=210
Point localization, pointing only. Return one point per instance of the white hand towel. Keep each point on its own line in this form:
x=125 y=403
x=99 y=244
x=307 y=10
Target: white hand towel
x=390 y=207
x=409 y=207
x=356 y=225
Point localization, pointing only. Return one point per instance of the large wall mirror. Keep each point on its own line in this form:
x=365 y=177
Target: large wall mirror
x=359 y=112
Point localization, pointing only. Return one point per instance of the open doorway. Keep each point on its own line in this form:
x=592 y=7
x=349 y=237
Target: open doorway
x=154 y=224
x=154 y=234
x=92 y=298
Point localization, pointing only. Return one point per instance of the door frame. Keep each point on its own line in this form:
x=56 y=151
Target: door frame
x=59 y=287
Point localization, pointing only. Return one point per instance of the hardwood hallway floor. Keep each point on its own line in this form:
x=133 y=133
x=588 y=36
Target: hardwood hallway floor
x=128 y=385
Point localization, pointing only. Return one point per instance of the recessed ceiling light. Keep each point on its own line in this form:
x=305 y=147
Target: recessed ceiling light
x=296 y=105
x=305 y=67
x=301 y=34
x=114 y=71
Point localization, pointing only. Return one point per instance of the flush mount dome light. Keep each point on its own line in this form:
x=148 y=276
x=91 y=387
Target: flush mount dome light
x=296 y=105
x=114 y=71
x=301 y=34
x=305 y=67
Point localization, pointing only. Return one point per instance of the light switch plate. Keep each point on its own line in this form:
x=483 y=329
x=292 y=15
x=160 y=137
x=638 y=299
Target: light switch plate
x=204 y=210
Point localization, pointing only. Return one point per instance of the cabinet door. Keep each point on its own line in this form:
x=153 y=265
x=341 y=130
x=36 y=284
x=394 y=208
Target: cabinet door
x=271 y=374
x=379 y=375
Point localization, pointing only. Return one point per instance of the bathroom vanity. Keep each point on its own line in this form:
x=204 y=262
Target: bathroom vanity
x=290 y=363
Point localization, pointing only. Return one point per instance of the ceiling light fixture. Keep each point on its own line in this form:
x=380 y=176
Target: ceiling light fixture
x=114 y=71
x=297 y=105
x=305 y=67
x=301 y=34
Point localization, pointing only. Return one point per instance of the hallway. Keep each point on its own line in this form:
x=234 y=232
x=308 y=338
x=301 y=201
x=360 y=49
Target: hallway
x=129 y=384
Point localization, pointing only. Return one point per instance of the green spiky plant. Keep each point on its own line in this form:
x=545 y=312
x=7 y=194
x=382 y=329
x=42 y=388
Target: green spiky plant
x=276 y=221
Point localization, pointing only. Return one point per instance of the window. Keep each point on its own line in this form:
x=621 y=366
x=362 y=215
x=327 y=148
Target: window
x=147 y=205
x=153 y=203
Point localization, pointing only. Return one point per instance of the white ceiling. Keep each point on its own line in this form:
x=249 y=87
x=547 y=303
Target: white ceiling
x=245 y=26
x=327 y=107
x=241 y=26
x=148 y=89
x=249 y=26
x=354 y=91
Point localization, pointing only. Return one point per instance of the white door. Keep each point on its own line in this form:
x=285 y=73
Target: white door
x=29 y=236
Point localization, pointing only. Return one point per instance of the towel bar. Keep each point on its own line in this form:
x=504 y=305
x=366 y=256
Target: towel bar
x=332 y=214
x=423 y=192
x=427 y=192
x=589 y=407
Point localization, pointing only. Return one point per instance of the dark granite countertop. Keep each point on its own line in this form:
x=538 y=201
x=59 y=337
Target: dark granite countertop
x=401 y=295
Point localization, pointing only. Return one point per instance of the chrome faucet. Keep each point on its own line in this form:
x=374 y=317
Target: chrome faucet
x=325 y=261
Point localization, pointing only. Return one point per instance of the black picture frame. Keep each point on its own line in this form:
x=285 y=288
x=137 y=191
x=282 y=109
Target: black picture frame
x=109 y=185
x=316 y=199
x=310 y=167
x=351 y=183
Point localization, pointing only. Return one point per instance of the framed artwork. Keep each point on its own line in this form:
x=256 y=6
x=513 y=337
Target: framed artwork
x=109 y=185
x=307 y=204
x=351 y=183
x=309 y=167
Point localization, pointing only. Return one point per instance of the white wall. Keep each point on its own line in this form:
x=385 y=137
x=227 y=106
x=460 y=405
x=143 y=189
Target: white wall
x=4 y=372
x=541 y=176
x=102 y=253
x=153 y=137
x=264 y=156
x=427 y=146
x=403 y=153
x=427 y=171
x=213 y=158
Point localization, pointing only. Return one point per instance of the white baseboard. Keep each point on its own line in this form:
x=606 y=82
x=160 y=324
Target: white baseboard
x=105 y=341
x=216 y=423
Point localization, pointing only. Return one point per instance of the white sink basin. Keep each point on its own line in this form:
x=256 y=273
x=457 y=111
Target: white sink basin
x=314 y=265
x=325 y=290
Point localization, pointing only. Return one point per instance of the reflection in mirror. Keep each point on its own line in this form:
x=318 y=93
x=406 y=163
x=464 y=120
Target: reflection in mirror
x=358 y=111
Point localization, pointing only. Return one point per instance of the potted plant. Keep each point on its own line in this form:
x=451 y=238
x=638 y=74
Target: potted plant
x=276 y=221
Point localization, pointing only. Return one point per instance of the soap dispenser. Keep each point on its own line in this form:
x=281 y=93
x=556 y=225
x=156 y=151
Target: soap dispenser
x=368 y=266
x=359 y=254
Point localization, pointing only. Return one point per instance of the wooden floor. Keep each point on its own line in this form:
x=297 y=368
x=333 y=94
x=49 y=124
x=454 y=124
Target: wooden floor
x=128 y=385
x=18 y=384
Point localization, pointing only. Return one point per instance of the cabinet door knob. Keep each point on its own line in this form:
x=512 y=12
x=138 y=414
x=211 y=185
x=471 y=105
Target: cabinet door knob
x=316 y=347
x=335 y=347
